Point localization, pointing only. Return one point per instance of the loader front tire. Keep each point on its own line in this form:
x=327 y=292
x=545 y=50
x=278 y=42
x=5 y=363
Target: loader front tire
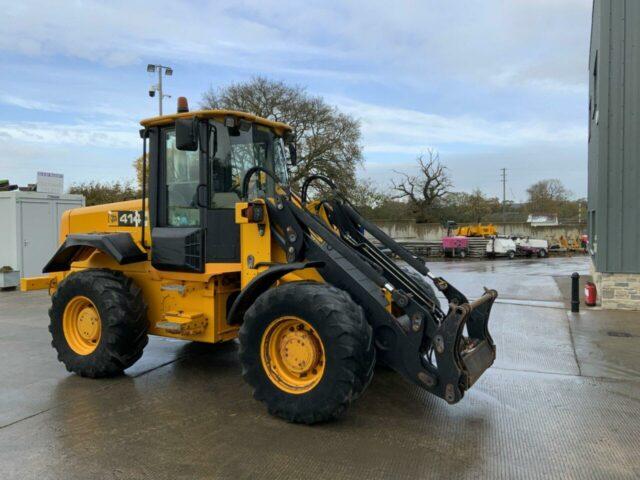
x=307 y=351
x=418 y=278
x=98 y=323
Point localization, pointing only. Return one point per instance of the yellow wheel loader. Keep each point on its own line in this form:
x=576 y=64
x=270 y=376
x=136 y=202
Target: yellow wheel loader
x=219 y=248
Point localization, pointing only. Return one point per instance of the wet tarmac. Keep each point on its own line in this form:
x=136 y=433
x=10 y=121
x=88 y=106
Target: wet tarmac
x=562 y=401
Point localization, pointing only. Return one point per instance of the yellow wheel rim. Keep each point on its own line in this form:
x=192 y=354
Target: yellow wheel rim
x=292 y=355
x=81 y=325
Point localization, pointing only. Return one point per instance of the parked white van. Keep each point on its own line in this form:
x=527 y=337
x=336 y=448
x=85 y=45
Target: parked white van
x=501 y=247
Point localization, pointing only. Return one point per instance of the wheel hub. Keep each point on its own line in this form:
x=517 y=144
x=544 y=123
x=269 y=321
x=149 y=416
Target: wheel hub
x=292 y=355
x=298 y=351
x=88 y=323
x=81 y=325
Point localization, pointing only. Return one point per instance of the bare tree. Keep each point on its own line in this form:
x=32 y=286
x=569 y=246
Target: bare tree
x=424 y=189
x=547 y=196
x=327 y=140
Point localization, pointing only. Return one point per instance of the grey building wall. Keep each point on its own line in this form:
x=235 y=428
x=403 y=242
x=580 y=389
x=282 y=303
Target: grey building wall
x=614 y=136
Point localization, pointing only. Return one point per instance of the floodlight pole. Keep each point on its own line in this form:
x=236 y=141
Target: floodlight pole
x=167 y=71
x=160 y=89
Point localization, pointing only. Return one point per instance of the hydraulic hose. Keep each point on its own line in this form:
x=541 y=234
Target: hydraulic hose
x=307 y=182
x=247 y=178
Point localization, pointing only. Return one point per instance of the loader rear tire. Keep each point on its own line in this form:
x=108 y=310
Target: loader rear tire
x=98 y=323
x=307 y=351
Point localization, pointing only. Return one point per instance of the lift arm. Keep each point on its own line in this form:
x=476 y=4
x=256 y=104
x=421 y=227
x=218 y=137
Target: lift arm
x=413 y=335
x=444 y=353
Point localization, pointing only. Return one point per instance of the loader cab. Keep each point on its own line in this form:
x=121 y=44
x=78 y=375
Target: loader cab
x=197 y=164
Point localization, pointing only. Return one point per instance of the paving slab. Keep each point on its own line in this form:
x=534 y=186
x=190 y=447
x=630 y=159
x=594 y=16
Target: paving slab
x=29 y=370
x=533 y=339
x=196 y=419
x=562 y=401
x=550 y=266
x=518 y=279
x=607 y=343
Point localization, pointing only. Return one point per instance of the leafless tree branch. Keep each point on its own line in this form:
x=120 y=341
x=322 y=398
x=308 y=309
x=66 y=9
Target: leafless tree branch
x=423 y=190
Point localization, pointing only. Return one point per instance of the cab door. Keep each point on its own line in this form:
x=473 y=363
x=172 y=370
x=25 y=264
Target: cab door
x=178 y=235
x=223 y=234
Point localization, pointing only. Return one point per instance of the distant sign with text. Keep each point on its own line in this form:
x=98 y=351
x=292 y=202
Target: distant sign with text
x=50 y=183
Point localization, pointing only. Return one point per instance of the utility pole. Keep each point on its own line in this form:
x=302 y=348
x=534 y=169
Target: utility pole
x=168 y=71
x=504 y=194
x=579 y=212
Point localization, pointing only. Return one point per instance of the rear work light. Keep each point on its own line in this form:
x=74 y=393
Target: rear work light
x=254 y=212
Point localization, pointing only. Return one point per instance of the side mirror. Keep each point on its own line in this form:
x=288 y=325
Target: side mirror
x=293 y=154
x=187 y=134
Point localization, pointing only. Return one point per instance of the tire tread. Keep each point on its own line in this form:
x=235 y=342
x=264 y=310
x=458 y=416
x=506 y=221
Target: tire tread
x=123 y=317
x=349 y=331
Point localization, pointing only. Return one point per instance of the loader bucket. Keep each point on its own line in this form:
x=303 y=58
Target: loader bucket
x=462 y=357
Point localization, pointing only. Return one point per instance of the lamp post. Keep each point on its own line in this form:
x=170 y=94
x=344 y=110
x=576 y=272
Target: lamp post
x=168 y=71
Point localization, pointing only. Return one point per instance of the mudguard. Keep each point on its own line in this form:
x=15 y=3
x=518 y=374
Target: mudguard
x=261 y=284
x=119 y=246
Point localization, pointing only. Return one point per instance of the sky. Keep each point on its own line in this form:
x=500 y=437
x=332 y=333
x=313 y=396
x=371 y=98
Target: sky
x=489 y=84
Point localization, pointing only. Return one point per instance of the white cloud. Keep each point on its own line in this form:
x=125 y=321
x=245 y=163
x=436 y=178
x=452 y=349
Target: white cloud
x=527 y=43
x=20 y=161
x=397 y=130
x=116 y=115
x=125 y=32
x=506 y=76
x=27 y=103
x=54 y=134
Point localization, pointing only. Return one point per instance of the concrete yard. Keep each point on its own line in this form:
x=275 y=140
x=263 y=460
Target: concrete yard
x=562 y=401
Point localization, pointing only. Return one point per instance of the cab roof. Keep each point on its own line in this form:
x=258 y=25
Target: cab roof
x=279 y=127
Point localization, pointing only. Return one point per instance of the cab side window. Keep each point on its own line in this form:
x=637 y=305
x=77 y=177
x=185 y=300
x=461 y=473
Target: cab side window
x=182 y=171
x=225 y=179
x=237 y=151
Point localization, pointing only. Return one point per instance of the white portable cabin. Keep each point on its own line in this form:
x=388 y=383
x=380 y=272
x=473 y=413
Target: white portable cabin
x=29 y=226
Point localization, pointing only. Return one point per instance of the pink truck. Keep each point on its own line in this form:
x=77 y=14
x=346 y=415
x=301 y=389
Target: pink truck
x=455 y=246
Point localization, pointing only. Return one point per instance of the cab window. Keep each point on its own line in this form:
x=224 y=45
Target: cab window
x=182 y=173
x=237 y=151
